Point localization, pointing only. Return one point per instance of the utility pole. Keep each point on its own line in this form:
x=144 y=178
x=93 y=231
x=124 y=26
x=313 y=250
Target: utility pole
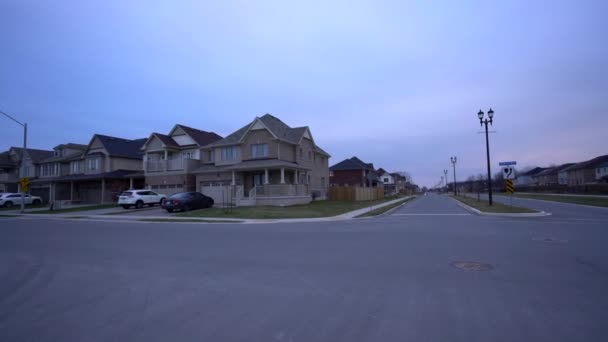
x=22 y=167
x=453 y=160
x=445 y=172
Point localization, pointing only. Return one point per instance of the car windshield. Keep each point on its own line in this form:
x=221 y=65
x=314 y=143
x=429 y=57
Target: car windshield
x=126 y=193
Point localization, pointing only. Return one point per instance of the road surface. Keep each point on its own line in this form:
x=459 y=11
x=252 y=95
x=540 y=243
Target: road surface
x=384 y=279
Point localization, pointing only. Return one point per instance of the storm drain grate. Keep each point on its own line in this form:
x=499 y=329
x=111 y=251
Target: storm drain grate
x=549 y=240
x=471 y=266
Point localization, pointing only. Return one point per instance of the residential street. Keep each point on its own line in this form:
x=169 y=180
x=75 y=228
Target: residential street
x=389 y=278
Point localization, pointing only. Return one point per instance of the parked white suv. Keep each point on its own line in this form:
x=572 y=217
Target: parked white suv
x=139 y=198
x=8 y=200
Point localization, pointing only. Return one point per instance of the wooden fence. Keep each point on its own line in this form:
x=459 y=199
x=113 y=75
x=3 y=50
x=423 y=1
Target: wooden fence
x=354 y=193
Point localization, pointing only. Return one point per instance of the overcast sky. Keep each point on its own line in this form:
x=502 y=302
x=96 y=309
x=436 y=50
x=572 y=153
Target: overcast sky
x=395 y=83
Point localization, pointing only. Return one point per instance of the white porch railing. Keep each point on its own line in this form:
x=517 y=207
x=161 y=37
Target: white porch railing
x=279 y=190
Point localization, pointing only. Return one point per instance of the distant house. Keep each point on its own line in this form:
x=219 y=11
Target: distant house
x=529 y=178
x=95 y=174
x=601 y=172
x=585 y=172
x=11 y=162
x=354 y=172
x=550 y=176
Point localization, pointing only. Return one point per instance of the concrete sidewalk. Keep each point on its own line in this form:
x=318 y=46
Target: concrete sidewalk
x=120 y=218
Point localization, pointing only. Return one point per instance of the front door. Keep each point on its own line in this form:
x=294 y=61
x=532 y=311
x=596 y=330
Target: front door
x=258 y=179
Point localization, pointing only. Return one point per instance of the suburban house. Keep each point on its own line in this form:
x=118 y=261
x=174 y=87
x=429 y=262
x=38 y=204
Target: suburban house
x=97 y=174
x=265 y=162
x=550 y=176
x=10 y=166
x=585 y=172
x=529 y=178
x=169 y=161
x=601 y=172
x=354 y=172
x=393 y=182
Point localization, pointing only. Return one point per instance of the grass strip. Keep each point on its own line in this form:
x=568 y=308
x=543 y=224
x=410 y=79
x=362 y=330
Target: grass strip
x=593 y=201
x=188 y=220
x=384 y=209
x=311 y=210
x=495 y=208
x=75 y=209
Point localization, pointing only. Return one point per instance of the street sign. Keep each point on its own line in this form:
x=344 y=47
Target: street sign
x=25 y=184
x=507 y=163
x=508 y=172
x=509 y=186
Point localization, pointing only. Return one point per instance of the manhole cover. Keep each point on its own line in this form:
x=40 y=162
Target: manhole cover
x=472 y=266
x=549 y=240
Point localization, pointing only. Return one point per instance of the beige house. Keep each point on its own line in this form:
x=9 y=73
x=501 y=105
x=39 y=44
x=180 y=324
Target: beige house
x=11 y=162
x=97 y=174
x=265 y=162
x=170 y=160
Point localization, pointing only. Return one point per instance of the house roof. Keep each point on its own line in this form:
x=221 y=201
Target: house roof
x=589 y=164
x=68 y=157
x=382 y=171
x=167 y=140
x=534 y=171
x=553 y=170
x=119 y=147
x=35 y=155
x=201 y=137
x=251 y=165
x=276 y=127
x=72 y=146
x=116 y=174
x=353 y=163
x=602 y=165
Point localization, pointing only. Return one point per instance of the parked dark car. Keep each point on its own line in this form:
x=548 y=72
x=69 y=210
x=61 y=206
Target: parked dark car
x=185 y=201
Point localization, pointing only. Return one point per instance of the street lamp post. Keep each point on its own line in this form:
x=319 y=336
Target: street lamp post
x=453 y=160
x=445 y=172
x=485 y=122
x=22 y=168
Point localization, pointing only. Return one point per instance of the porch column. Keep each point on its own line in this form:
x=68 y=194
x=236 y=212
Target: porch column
x=71 y=191
x=266 y=176
x=130 y=182
x=103 y=188
x=282 y=175
x=233 y=178
x=296 y=175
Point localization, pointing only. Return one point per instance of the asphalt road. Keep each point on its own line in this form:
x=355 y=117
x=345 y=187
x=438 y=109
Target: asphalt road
x=383 y=279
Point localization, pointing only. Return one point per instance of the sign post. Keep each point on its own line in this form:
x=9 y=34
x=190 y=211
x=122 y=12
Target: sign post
x=508 y=173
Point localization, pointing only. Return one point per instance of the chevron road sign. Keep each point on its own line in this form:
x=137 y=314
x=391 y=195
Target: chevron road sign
x=509 y=186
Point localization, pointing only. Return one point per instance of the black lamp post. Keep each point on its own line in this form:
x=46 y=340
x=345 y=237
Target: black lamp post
x=445 y=172
x=483 y=121
x=453 y=160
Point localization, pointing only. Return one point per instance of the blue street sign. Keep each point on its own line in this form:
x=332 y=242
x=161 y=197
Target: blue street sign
x=507 y=163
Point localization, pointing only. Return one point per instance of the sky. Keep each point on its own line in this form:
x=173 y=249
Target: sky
x=395 y=83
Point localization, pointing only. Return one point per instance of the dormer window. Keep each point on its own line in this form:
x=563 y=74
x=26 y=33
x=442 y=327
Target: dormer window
x=259 y=150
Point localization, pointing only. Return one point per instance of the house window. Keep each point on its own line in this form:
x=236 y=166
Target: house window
x=322 y=182
x=385 y=180
x=259 y=150
x=92 y=164
x=331 y=173
x=309 y=155
x=229 y=153
x=188 y=155
x=212 y=155
x=75 y=167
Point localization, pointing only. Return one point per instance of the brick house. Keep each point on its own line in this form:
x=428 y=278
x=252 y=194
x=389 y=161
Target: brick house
x=354 y=172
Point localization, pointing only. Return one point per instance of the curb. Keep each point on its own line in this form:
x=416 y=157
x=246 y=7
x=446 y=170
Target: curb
x=481 y=213
x=388 y=212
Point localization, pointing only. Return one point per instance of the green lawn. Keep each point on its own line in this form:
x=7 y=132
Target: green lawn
x=495 y=208
x=18 y=206
x=8 y=215
x=76 y=209
x=593 y=201
x=384 y=209
x=311 y=210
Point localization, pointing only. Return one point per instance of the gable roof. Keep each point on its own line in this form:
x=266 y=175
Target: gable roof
x=201 y=137
x=5 y=160
x=553 y=170
x=276 y=127
x=534 y=171
x=589 y=164
x=72 y=146
x=120 y=147
x=35 y=155
x=165 y=139
x=382 y=171
x=353 y=163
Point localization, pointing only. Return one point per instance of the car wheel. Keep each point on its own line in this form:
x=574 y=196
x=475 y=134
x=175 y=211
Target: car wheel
x=36 y=202
x=169 y=210
x=162 y=200
x=126 y=206
x=139 y=204
x=8 y=204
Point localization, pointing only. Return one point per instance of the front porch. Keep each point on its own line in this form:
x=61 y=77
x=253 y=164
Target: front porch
x=278 y=184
